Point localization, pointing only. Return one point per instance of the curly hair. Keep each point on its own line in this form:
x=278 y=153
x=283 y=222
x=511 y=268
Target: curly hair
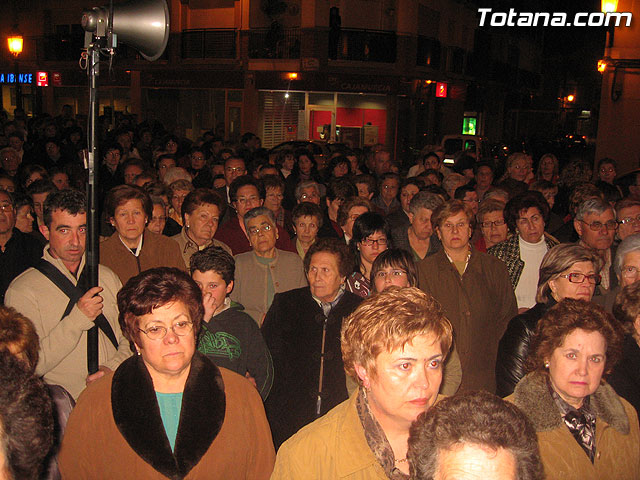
x=155 y=288
x=18 y=335
x=389 y=320
x=73 y=202
x=26 y=419
x=214 y=259
x=449 y=209
x=564 y=318
x=200 y=197
x=479 y=419
x=307 y=209
x=525 y=201
x=626 y=308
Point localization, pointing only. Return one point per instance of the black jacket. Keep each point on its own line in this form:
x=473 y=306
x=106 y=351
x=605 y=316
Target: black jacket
x=513 y=348
x=625 y=378
x=292 y=330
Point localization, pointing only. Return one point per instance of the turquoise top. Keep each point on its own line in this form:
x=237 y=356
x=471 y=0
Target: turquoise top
x=170 y=405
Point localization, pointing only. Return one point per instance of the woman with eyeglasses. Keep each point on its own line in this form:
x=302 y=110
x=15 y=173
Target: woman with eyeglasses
x=395 y=268
x=566 y=271
x=370 y=238
x=493 y=226
x=265 y=270
x=167 y=412
x=474 y=290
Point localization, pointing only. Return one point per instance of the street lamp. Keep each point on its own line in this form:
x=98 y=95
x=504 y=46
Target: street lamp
x=15 y=42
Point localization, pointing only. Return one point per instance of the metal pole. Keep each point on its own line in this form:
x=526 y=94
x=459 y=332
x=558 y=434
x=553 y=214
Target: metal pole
x=92 y=248
x=18 y=86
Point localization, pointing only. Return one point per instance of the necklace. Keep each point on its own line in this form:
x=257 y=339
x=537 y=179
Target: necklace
x=402 y=460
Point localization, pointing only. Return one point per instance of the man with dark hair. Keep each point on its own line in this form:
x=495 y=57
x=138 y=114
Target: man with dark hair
x=26 y=421
x=246 y=193
x=474 y=435
x=63 y=319
x=18 y=251
x=228 y=335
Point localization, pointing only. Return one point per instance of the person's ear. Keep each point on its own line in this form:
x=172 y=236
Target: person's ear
x=229 y=287
x=44 y=230
x=438 y=233
x=363 y=375
x=552 y=286
x=577 y=224
x=411 y=217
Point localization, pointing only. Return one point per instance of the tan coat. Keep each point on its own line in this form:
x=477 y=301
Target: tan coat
x=617 y=434
x=116 y=432
x=157 y=251
x=479 y=305
x=333 y=447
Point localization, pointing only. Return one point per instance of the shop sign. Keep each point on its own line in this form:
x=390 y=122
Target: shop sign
x=350 y=84
x=310 y=64
x=441 y=90
x=56 y=77
x=9 y=78
x=42 y=79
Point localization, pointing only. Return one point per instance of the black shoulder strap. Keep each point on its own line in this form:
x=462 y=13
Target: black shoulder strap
x=74 y=293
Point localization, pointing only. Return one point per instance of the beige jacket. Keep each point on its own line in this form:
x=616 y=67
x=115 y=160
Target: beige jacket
x=188 y=247
x=250 y=288
x=63 y=341
x=617 y=434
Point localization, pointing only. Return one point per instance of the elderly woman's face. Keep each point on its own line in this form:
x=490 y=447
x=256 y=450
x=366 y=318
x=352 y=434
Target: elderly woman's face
x=129 y=221
x=405 y=382
x=567 y=285
x=262 y=235
x=576 y=366
x=203 y=223
x=306 y=228
x=170 y=356
x=421 y=223
x=494 y=228
x=324 y=276
x=177 y=198
x=630 y=269
x=455 y=231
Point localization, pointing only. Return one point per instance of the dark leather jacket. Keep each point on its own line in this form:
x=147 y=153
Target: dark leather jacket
x=513 y=348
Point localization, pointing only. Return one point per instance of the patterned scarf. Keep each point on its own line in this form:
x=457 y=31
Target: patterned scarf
x=581 y=422
x=376 y=439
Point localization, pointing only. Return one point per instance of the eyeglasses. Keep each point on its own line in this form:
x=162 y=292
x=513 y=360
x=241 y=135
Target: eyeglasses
x=629 y=271
x=158 y=332
x=630 y=220
x=496 y=223
x=369 y=242
x=459 y=225
x=6 y=207
x=257 y=230
x=393 y=274
x=305 y=196
x=235 y=169
x=597 y=226
x=594 y=278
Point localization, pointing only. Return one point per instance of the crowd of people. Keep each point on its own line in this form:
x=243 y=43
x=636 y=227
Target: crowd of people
x=296 y=316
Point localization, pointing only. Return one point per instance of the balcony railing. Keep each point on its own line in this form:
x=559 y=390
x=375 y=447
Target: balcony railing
x=276 y=42
x=209 y=43
x=363 y=45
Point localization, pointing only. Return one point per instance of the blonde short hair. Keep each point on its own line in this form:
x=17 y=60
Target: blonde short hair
x=449 y=209
x=389 y=320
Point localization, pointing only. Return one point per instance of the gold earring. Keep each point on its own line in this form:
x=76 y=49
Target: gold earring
x=546 y=364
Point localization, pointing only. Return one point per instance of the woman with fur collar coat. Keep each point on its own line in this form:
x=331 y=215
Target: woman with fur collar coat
x=585 y=430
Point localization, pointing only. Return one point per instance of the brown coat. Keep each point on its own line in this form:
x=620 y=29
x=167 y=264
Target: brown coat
x=157 y=251
x=617 y=434
x=479 y=305
x=116 y=432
